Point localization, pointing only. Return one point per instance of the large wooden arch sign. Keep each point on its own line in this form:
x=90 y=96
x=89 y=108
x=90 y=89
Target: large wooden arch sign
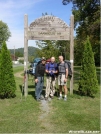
x=47 y=27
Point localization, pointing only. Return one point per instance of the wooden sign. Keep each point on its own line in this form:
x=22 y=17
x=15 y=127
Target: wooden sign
x=48 y=28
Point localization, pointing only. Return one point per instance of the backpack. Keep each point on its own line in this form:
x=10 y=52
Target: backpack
x=39 y=62
x=69 y=68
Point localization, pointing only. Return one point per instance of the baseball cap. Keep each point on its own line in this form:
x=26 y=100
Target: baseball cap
x=43 y=58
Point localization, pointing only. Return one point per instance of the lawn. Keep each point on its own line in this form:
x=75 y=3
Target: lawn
x=20 y=115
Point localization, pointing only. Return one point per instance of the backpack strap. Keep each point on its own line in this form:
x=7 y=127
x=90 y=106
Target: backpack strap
x=54 y=65
x=48 y=66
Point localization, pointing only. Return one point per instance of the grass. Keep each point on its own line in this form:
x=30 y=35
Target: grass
x=22 y=116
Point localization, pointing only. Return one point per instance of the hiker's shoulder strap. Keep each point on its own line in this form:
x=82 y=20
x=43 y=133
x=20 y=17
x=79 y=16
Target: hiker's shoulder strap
x=55 y=64
x=66 y=65
x=48 y=65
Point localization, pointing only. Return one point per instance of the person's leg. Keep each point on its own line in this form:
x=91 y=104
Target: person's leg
x=53 y=87
x=41 y=87
x=37 y=88
x=48 y=82
x=60 y=91
x=65 y=90
x=64 y=84
x=60 y=87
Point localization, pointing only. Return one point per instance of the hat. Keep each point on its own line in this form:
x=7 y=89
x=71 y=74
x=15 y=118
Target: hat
x=43 y=58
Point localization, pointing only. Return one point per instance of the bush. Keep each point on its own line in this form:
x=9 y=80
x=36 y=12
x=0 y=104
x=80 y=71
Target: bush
x=7 y=81
x=21 y=61
x=88 y=84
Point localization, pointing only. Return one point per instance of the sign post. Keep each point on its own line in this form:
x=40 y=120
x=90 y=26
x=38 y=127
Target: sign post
x=25 y=55
x=71 y=51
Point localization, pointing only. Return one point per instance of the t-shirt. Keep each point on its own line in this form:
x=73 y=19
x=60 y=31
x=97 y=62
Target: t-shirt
x=51 y=67
x=62 y=68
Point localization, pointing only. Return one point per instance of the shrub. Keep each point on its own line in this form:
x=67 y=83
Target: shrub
x=88 y=84
x=7 y=81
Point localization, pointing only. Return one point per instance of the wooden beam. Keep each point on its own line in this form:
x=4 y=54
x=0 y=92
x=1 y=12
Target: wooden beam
x=71 y=50
x=25 y=55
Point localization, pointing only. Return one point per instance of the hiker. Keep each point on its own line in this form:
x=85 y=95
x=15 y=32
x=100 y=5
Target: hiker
x=51 y=71
x=39 y=78
x=62 y=77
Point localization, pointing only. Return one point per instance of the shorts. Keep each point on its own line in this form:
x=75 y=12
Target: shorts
x=61 y=78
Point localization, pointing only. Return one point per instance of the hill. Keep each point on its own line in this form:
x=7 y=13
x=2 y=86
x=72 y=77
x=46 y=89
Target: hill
x=31 y=51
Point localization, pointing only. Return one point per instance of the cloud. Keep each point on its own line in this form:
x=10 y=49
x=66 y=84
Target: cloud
x=12 y=12
x=17 y=40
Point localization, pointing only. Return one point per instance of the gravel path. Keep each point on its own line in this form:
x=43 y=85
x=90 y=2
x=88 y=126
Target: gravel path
x=46 y=109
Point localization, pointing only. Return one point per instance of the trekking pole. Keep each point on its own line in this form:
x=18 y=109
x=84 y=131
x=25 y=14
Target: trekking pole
x=23 y=85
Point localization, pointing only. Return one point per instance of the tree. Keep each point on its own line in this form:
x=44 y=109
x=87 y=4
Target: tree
x=87 y=19
x=30 y=58
x=18 y=54
x=88 y=84
x=4 y=32
x=64 y=48
x=7 y=81
x=47 y=49
x=50 y=48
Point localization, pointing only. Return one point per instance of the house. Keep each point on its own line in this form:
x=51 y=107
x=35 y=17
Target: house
x=14 y=58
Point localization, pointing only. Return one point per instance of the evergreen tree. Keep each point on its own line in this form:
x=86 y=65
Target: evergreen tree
x=7 y=81
x=88 y=84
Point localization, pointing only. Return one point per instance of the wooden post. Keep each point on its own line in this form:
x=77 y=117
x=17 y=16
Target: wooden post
x=71 y=50
x=25 y=55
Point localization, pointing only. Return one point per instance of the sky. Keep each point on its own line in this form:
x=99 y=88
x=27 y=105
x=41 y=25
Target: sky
x=12 y=13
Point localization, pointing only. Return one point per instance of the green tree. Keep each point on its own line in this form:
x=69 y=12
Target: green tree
x=7 y=81
x=88 y=84
x=30 y=58
x=47 y=49
x=18 y=54
x=87 y=19
x=63 y=48
x=4 y=32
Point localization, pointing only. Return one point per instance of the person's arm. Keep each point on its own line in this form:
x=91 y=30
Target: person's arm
x=56 y=69
x=36 y=73
x=47 y=68
x=66 y=76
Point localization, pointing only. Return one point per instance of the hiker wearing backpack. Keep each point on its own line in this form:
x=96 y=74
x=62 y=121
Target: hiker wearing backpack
x=51 y=71
x=39 y=78
x=62 y=77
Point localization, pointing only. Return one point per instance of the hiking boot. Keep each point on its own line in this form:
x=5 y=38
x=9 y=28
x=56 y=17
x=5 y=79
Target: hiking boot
x=41 y=98
x=46 y=98
x=38 y=100
x=51 y=97
x=65 y=98
x=60 y=98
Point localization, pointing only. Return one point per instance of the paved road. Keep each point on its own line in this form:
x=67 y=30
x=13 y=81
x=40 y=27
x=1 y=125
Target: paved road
x=17 y=65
